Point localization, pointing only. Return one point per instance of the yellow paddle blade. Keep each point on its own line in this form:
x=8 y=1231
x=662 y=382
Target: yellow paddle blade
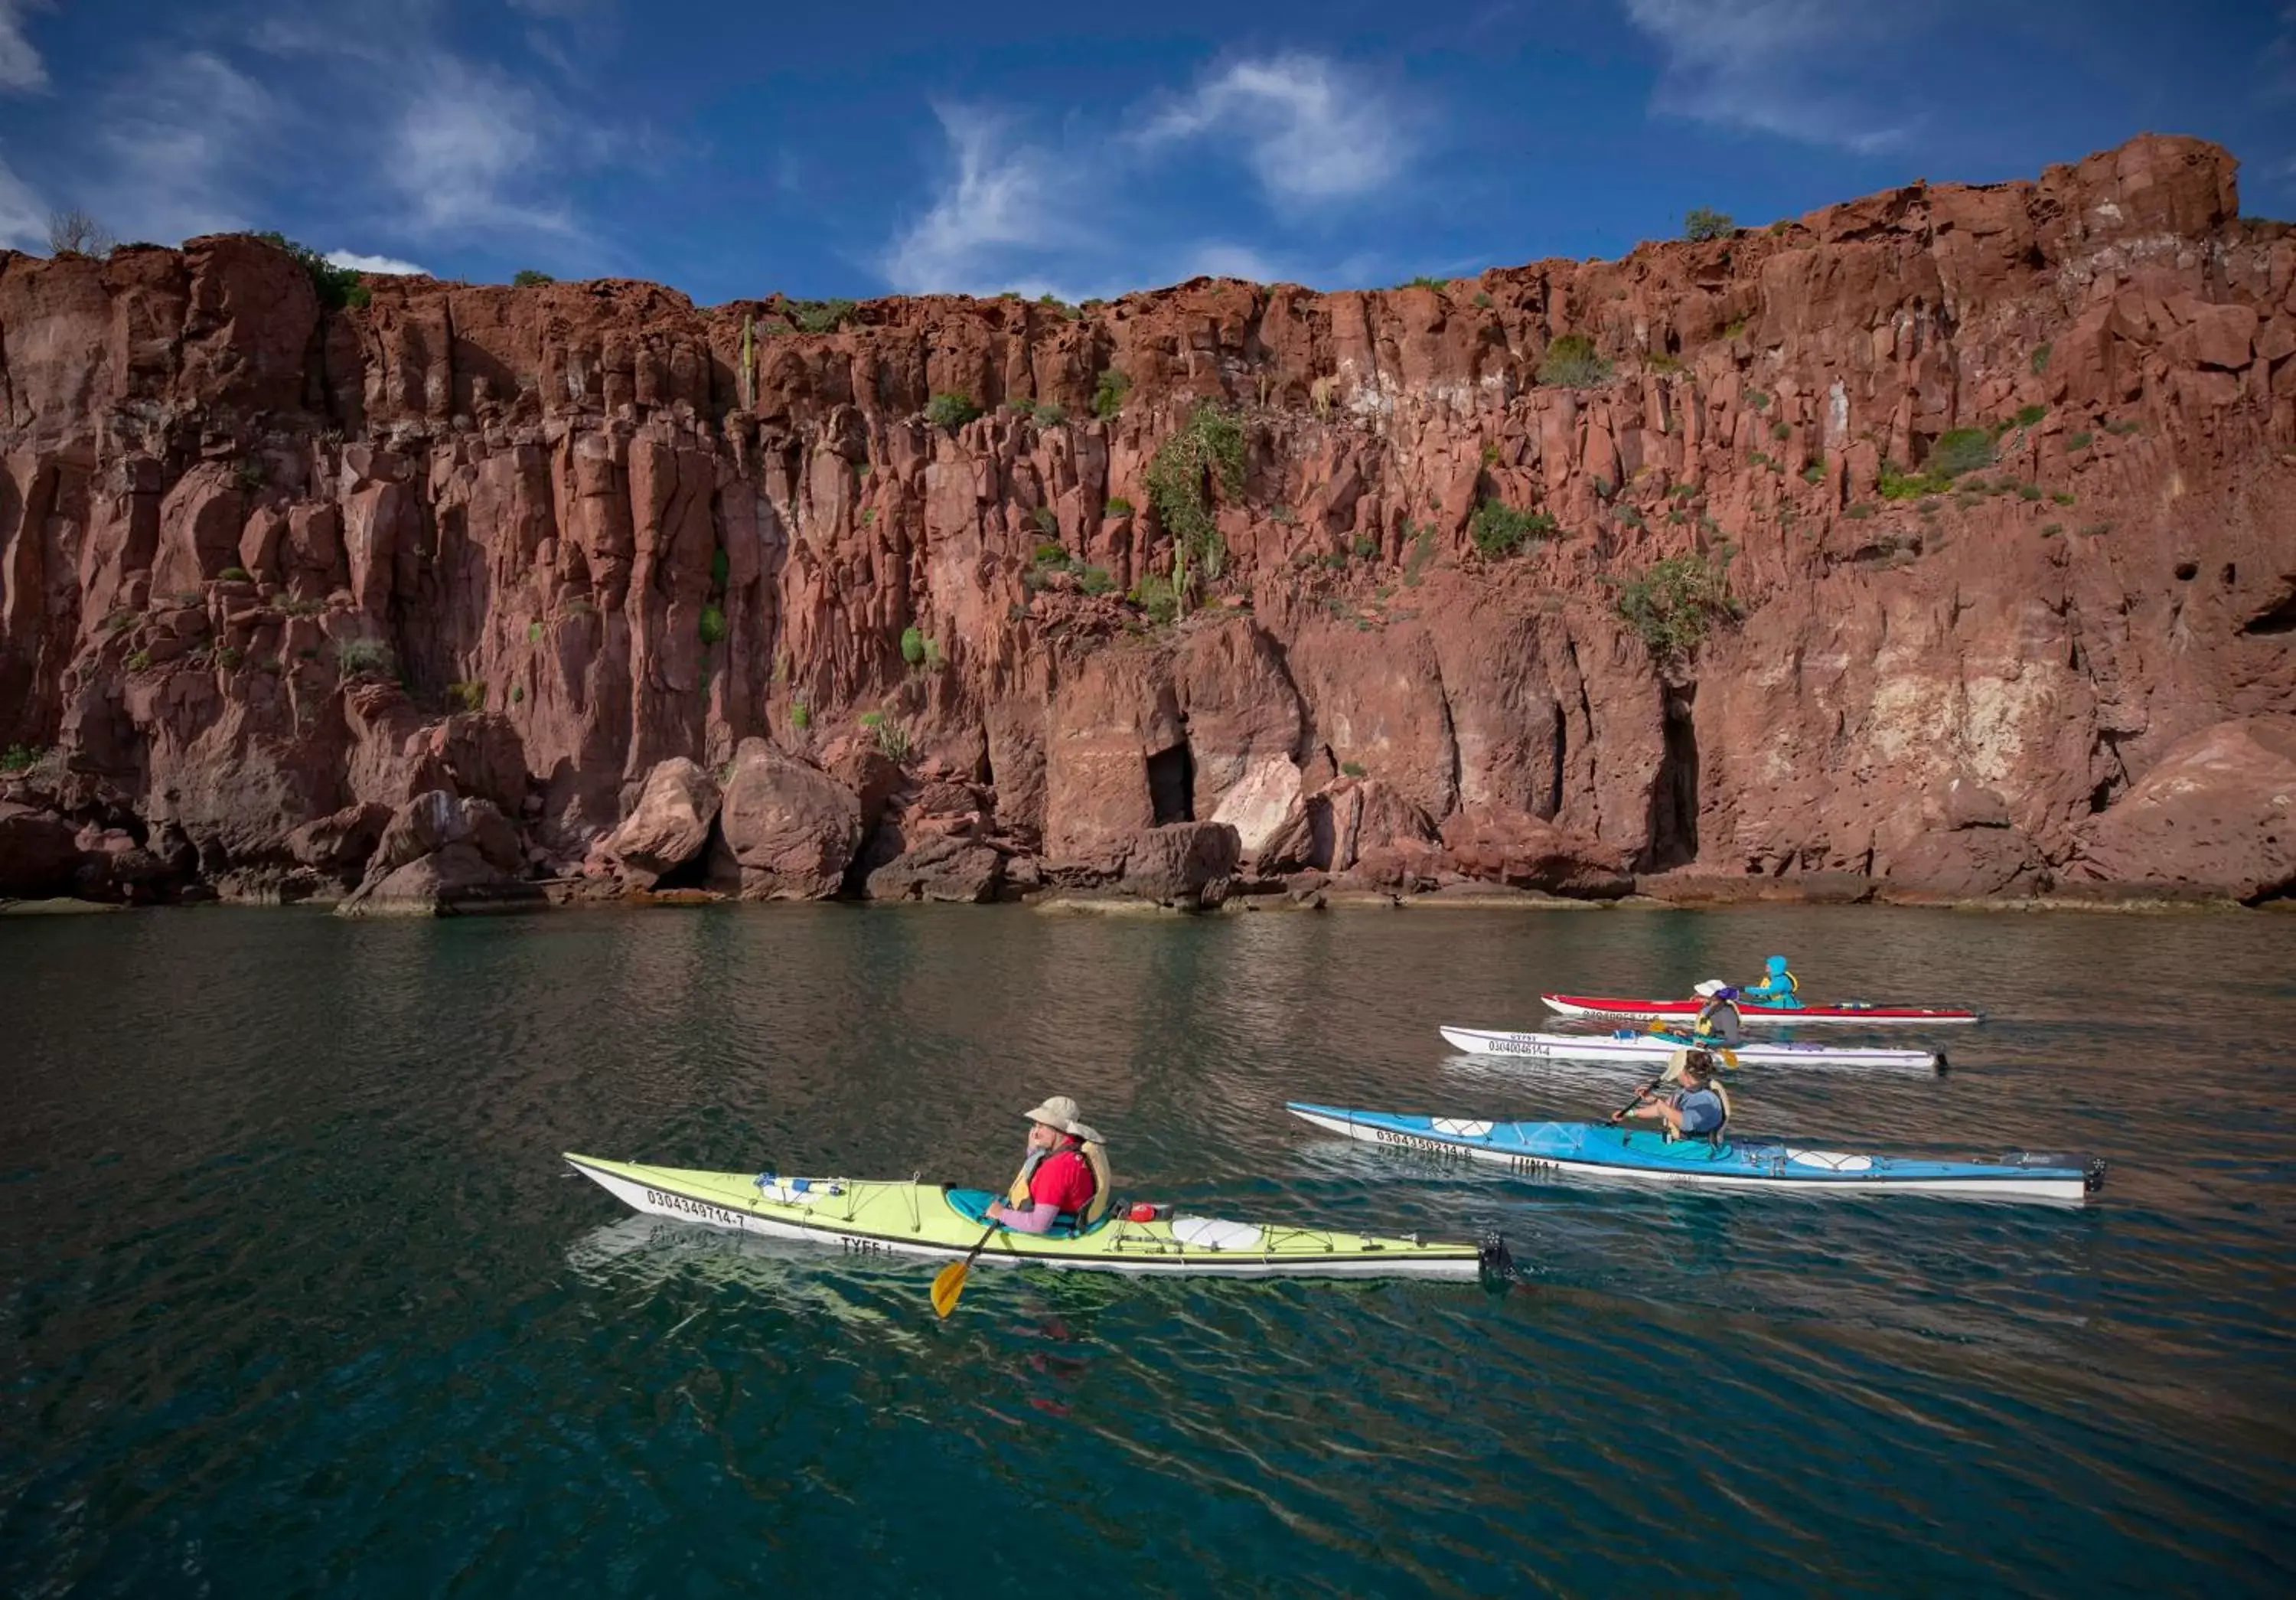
x=947 y=1283
x=1729 y=1058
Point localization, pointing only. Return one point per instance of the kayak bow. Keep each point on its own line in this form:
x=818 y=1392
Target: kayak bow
x=1598 y=1151
x=942 y=1222
x=1644 y=1047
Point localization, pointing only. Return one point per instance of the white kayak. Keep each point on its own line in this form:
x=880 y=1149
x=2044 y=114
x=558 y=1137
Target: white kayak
x=1645 y=1047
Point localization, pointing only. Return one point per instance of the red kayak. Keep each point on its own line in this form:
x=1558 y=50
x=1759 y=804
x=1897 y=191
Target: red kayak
x=1848 y=1011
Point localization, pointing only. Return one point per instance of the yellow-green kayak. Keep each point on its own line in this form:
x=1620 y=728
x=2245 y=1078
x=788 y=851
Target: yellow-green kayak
x=942 y=1222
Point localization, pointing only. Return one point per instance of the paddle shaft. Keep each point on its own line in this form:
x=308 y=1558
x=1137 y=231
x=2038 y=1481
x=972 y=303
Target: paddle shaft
x=952 y=1277
x=1641 y=1095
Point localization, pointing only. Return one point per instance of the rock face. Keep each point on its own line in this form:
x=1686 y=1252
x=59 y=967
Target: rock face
x=40 y=854
x=265 y=565
x=669 y=825
x=2219 y=812
x=788 y=830
x=1189 y=864
x=1514 y=848
x=442 y=855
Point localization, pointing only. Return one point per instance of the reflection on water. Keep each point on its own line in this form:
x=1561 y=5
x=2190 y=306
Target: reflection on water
x=298 y=1294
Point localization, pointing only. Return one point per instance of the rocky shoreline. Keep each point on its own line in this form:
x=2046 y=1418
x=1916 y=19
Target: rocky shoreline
x=1939 y=547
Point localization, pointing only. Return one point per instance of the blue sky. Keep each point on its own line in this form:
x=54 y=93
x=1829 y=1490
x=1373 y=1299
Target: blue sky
x=737 y=148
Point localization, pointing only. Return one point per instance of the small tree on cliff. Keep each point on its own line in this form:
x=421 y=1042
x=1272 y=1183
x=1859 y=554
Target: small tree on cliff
x=1704 y=222
x=74 y=233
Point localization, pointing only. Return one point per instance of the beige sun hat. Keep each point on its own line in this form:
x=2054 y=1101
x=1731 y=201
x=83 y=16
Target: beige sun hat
x=1061 y=1111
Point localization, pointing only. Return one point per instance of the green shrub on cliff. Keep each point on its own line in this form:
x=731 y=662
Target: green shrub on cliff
x=1209 y=444
x=1704 y=222
x=1571 y=362
x=20 y=758
x=1500 y=530
x=950 y=410
x=1108 y=396
x=820 y=317
x=338 y=286
x=1960 y=450
x=526 y=277
x=1157 y=595
x=467 y=695
x=713 y=625
x=359 y=657
x=1675 y=602
x=912 y=645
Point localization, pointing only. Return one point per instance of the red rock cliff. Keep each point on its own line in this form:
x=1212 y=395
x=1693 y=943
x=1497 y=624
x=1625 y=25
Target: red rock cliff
x=591 y=536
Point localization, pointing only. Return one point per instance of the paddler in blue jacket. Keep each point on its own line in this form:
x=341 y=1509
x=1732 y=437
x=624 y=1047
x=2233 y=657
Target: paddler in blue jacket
x=1697 y=1107
x=1781 y=988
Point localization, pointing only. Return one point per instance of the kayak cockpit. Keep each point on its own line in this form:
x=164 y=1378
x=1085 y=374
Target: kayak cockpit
x=972 y=1205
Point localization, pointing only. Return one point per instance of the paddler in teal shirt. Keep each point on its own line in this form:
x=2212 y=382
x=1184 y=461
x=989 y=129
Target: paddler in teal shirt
x=1781 y=988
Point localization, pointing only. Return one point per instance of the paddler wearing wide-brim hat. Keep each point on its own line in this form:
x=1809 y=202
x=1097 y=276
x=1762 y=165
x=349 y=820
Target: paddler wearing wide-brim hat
x=1065 y=1174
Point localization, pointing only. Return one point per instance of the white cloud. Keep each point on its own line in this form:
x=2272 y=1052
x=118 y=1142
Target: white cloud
x=1312 y=130
x=472 y=150
x=389 y=265
x=21 y=70
x=1005 y=206
x=1770 y=66
x=1011 y=213
x=23 y=219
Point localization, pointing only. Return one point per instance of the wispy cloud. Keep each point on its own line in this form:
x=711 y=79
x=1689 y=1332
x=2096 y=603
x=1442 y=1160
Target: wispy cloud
x=1311 y=129
x=472 y=150
x=1014 y=213
x=390 y=265
x=23 y=218
x=183 y=134
x=1004 y=206
x=22 y=69
x=1768 y=66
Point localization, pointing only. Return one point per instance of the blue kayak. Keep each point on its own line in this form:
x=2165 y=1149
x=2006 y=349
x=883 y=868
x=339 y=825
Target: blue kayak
x=1598 y=1149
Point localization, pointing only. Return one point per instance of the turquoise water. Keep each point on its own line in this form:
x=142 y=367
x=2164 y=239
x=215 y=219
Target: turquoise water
x=295 y=1296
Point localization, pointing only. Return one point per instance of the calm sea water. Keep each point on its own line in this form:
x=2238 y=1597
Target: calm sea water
x=296 y=1297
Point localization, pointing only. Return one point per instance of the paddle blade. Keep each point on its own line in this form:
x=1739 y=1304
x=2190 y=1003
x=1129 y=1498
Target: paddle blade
x=947 y=1283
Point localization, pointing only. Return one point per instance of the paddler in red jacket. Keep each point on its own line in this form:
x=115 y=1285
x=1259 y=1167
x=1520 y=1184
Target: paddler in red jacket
x=1066 y=1173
